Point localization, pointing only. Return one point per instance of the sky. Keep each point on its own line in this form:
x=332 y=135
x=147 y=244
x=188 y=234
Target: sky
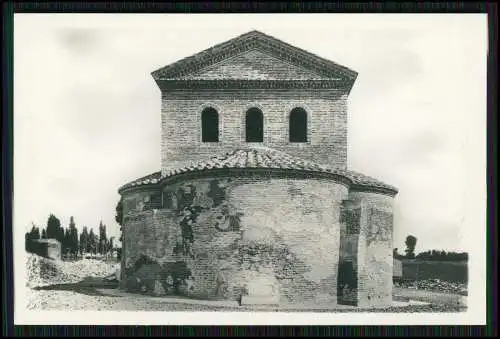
x=87 y=111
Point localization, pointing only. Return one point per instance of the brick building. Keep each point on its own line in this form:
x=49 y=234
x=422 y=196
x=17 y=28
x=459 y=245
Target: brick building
x=254 y=201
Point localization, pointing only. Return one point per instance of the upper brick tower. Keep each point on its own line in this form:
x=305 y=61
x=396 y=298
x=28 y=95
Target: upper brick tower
x=254 y=90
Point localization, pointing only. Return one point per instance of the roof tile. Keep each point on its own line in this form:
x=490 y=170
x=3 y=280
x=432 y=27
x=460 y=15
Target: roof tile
x=261 y=158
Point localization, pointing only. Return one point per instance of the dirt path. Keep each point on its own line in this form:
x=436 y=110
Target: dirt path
x=70 y=300
x=84 y=298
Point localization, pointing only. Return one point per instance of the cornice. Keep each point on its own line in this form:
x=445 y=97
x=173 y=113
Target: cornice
x=168 y=84
x=367 y=188
x=259 y=172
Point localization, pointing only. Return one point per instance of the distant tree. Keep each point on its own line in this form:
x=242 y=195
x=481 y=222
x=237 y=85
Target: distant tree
x=66 y=243
x=44 y=233
x=74 y=242
x=60 y=235
x=110 y=244
x=410 y=243
x=424 y=255
x=103 y=240
x=92 y=242
x=440 y=255
x=73 y=237
x=53 y=227
x=84 y=241
x=27 y=241
x=33 y=234
x=119 y=216
x=99 y=238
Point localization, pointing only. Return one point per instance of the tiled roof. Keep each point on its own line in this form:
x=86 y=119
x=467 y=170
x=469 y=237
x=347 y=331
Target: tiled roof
x=263 y=158
x=152 y=178
x=360 y=179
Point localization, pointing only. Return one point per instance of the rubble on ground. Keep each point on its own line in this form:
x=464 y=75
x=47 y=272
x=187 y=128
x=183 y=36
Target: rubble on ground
x=435 y=285
x=43 y=271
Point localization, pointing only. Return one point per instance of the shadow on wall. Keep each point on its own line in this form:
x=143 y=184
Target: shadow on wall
x=347 y=285
x=149 y=277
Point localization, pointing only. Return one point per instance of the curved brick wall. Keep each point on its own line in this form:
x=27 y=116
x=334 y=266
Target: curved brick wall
x=214 y=236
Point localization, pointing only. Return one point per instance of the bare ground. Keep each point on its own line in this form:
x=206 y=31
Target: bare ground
x=87 y=300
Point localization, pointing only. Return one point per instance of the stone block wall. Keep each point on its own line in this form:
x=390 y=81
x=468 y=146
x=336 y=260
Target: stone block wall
x=215 y=236
x=366 y=249
x=48 y=248
x=181 y=123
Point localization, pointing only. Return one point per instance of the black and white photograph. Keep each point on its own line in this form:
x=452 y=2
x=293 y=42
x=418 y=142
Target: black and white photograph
x=260 y=169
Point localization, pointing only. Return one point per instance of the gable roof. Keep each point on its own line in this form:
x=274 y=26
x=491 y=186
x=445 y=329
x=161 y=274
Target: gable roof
x=252 y=65
x=264 y=158
x=255 y=40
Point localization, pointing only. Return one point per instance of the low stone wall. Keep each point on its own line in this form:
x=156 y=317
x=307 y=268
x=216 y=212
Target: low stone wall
x=47 y=248
x=456 y=272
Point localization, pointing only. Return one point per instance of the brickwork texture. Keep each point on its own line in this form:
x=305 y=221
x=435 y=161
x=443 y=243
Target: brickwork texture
x=307 y=238
x=181 y=124
x=310 y=239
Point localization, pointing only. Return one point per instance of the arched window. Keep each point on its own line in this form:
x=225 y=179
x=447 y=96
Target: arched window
x=298 y=125
x=209 y=125
x=254 y=125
